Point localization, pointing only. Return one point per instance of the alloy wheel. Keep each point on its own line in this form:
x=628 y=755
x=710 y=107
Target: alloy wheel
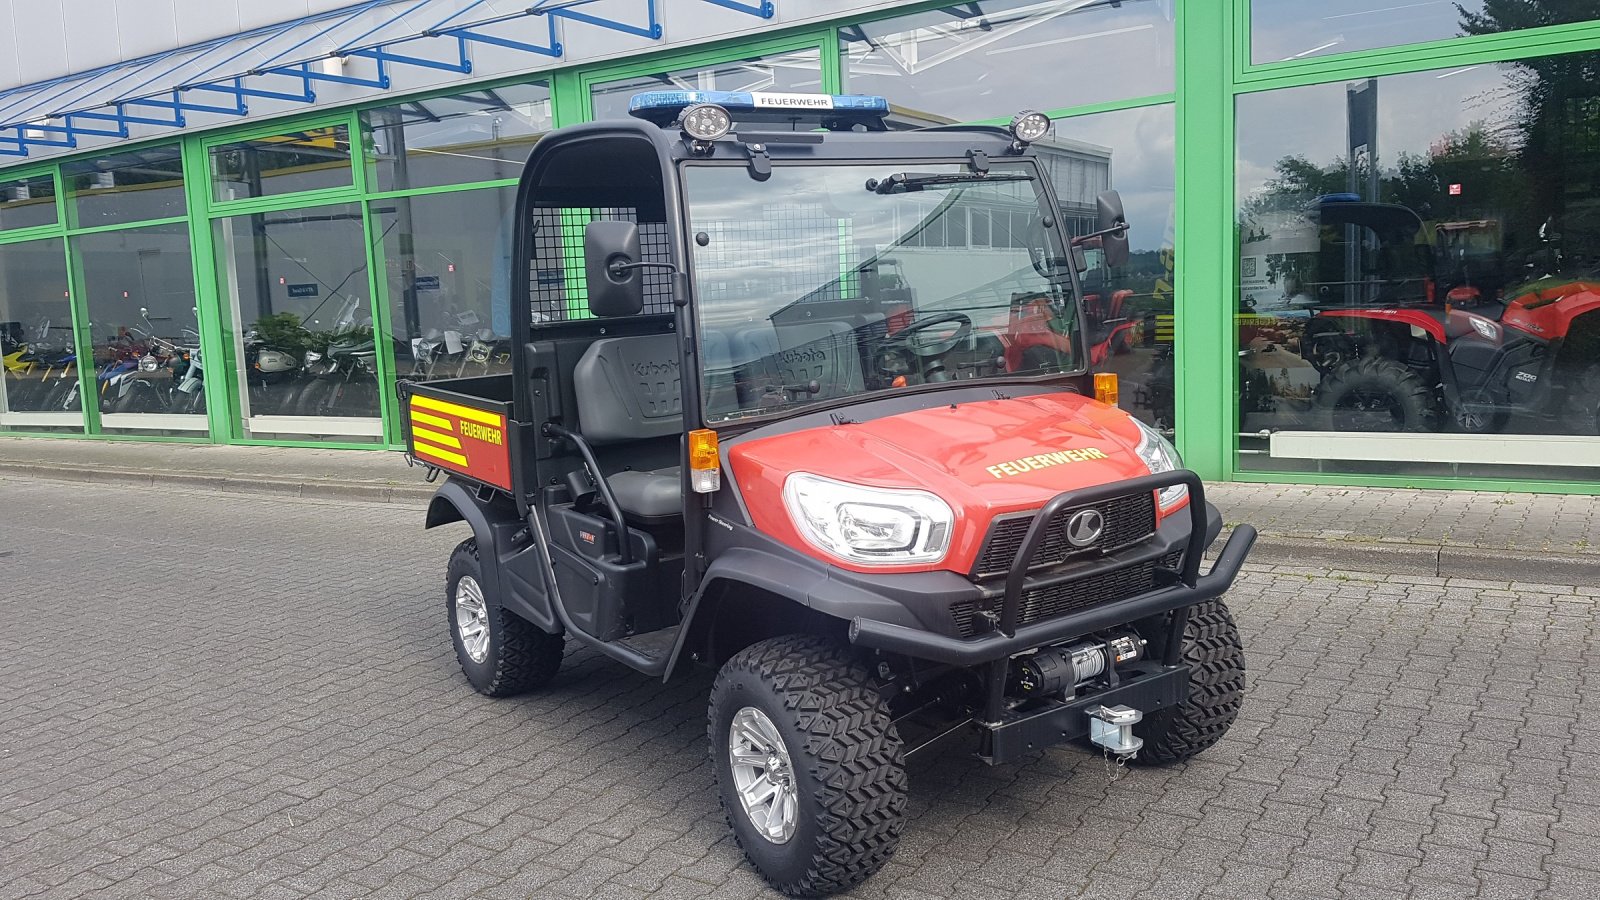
x=472 y=618
x=763 y=775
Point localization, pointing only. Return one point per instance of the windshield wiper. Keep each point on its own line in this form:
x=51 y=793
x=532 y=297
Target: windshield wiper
x=901 y=182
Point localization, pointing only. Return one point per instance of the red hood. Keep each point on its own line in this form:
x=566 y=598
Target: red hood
x=984 y=459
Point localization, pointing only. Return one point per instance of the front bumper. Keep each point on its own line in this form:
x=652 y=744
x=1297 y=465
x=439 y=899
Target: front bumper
x=1008 y=637
x=1147 y=686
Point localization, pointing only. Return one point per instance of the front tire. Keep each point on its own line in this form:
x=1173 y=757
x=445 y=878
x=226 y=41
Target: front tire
x=1215 y=657
x=1376 y=394
x=500 y=652
x=810 y=769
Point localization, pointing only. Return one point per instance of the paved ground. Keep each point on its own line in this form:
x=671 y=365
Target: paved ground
x=256 y=698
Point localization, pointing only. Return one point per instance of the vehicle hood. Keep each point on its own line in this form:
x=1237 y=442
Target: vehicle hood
x=984 y=459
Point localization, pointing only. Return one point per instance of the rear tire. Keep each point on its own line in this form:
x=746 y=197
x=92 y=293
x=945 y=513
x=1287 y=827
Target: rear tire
x=1376 y=392
x=500 y=652
x=1215 y=657
x=807 y=709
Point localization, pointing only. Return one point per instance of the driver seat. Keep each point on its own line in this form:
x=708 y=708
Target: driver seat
x=628 y=391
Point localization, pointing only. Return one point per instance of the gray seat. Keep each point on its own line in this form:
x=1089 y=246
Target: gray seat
x=628 y=390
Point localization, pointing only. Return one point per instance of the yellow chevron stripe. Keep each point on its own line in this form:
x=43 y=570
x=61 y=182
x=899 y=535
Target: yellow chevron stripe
x=456 y=409
x=436 y=453
x=444 y=440
x=422 y=418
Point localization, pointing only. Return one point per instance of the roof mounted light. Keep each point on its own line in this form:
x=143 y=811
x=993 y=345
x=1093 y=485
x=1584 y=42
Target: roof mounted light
x=705 y=121
x=1029 y=126
x=832 y=111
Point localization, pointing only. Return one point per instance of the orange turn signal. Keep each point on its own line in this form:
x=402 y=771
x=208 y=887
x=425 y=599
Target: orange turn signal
x=705 y=466
x=1105 y=387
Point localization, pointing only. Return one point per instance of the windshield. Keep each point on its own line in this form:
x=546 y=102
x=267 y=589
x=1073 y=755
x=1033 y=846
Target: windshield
x=829 y=282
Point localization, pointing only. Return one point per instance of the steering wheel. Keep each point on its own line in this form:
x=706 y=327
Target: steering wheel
x=929 y=348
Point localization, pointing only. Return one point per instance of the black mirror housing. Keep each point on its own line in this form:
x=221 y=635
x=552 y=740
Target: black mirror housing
x=610 y=258
x=1113 y=221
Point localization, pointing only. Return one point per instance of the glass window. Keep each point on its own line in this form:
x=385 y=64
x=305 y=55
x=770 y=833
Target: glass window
x=125 y=187
x=1419 y=273
x=1129 y=310
x=981 y=60
x=139 y=288
x=39 y=391
x=809 y=278
x=481 y=135
x=1283 y=30
x=800 y=71
x=281 y=164
x=26 y=202
x=304 y=354
x=447 y=261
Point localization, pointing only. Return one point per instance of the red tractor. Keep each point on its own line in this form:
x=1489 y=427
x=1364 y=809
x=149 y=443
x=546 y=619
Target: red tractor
x=1398 y=356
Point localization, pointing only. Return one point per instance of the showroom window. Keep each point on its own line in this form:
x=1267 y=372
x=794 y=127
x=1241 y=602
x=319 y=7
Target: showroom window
x=138 y=286
x=982 y=60
x=1129 y=310
x=1419 y=272
x=39 y=389
x=481 y=135
x=447 y=258
x=1284 y=30
x=312 y=159
x=125 y=187
x=28 y=202
x=799 y=71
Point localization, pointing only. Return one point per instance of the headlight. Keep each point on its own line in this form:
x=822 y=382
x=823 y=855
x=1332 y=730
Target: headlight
x=868 y=525
x=148 y=363
x=1159 y=454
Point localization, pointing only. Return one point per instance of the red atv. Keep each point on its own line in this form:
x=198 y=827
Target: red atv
x=1400 y=357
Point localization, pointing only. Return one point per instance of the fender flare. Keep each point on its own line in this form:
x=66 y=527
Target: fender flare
x=455 y=502
x=805 y=583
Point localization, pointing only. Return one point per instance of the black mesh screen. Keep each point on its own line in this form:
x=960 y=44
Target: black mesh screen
x=556 y=277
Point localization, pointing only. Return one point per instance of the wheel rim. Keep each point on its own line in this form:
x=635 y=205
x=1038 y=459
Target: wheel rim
x=1371 y=410
x=763 y=776
x=472 y=618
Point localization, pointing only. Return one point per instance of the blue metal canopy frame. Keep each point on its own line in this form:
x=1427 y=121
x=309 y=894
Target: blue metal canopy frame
x=45 y=117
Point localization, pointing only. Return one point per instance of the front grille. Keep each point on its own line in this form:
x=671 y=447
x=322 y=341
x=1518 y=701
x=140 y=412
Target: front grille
x=1043 y=603
x=1129 y=520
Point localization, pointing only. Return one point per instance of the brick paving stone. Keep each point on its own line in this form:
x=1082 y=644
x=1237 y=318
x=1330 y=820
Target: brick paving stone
x=251 y=696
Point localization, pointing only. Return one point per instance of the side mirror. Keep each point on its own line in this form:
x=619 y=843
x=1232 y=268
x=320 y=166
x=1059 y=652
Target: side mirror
x=610 y=261
x=1110 y=219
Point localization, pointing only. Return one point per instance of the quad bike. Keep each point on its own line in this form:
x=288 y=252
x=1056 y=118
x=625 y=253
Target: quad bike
x=688 y=467
x=1425 y=363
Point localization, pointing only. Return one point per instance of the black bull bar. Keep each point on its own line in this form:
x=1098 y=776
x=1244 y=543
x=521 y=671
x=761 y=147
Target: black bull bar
x=1008 y=638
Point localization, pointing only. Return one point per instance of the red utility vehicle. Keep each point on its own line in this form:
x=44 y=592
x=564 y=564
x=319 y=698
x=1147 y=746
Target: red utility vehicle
x=762 y=419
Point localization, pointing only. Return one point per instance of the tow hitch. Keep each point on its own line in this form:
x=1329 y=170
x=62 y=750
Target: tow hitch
x=1111 y=728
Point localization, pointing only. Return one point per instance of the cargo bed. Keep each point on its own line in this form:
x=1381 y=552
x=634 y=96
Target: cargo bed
x=462 y=426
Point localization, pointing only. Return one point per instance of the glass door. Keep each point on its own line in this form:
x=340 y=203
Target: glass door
x=304 y=355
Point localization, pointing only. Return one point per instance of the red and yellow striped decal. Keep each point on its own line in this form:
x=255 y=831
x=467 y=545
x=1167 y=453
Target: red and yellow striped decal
x=461 y=439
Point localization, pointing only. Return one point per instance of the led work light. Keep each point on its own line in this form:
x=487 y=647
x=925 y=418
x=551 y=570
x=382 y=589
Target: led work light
x=1029 y=126
x=706 y=121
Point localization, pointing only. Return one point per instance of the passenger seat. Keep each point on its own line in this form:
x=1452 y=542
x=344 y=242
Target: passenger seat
x=628 y=389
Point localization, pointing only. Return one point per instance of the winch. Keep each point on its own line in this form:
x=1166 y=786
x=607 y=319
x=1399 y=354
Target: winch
x=1059 y=670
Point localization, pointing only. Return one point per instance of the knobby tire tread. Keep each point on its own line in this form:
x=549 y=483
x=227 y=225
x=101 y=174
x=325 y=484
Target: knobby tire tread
x=1215 y=656
x=852 y=748
x=527 y=656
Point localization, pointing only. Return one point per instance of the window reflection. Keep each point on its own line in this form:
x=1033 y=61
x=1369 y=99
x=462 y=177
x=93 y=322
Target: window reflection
x=447 y=259
x=1283 y=30
x=125 y=187
x=981 y=60
x=480 y=135
x=800 y=71
x=281 y=164
x=1420 y=254
x=40 y=363
x=26 y=202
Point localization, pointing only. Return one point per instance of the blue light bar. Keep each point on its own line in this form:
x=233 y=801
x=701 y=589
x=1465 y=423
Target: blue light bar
x=664 y=107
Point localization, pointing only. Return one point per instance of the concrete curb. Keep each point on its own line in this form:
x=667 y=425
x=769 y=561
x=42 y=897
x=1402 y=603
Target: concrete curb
x=1429 y=560
x=368 y=491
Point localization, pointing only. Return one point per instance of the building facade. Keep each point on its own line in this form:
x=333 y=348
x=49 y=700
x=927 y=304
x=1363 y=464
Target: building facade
x=1366 y=233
